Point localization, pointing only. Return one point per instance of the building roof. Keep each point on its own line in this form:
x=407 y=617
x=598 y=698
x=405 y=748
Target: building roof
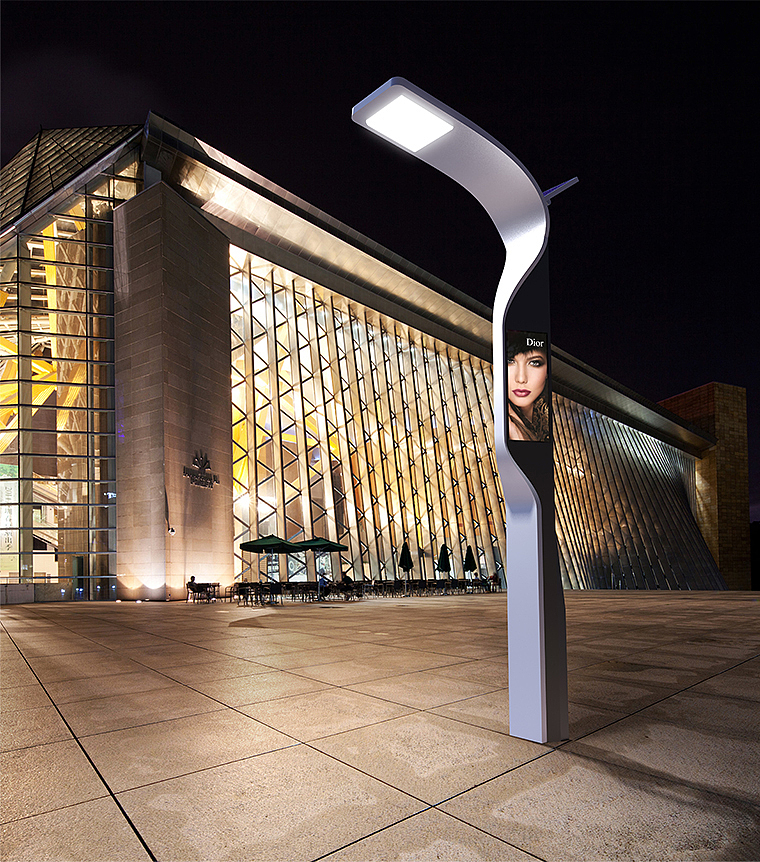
x=264 y=218
x=50 y=159
x=585 y=385
x=260 y=216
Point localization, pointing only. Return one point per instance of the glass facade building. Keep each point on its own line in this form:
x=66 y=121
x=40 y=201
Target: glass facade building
x=350 y=424
x=57 y=447
x=360 y=404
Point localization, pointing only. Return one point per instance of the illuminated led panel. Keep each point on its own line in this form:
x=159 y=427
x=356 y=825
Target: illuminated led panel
x=408 y=124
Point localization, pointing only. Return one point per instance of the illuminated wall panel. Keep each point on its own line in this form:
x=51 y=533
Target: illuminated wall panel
x=350 y=425
x=625 y=507
x=57 y=469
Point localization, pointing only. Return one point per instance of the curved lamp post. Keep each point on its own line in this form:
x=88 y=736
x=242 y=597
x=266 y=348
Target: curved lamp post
x=408 y=117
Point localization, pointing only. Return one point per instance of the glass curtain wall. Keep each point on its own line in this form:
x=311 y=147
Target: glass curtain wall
x=351 y=426
x=625 y=507
x=57 y=472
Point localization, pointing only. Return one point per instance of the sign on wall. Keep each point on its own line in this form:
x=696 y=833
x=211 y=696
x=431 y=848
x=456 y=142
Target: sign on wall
x=199 y=473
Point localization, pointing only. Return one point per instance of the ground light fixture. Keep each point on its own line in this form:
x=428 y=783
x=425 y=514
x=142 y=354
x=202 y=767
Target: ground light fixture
x=410 y=118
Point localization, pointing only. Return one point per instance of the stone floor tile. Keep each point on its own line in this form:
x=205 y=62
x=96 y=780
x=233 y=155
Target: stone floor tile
x=25 y=727
x=345 y=672
x=489 y=711
x=582 y=655
x=352 y=672
x=129 y=640
x=308 y=640
x=68 y=834
x=487 y=672
x=472 y=648
x=694 y=661
x=90 y=687
x=568 y=807
x=98 y=715
x=742 y=681
x=57 y=668
x=221 y=668
x=712 y=649
x=45 y=777
x=295 y=804
x=23 y=697
x=704 y=759
x=639 y=671
x=168 y=656
x=323 y=713
x=732 y=717
x=238 y=691
x=429 y=756
x=255 y=648
x=428 y=837
x=421 y=690
x=167 y=749
x=617 y=695
x=296 y=657
x=585 y=719
x=52 y=645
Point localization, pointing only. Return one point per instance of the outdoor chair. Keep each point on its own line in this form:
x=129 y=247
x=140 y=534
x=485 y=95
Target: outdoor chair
x=199 y=593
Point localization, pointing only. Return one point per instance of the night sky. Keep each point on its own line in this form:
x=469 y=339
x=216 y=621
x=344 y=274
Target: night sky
x=652 y=105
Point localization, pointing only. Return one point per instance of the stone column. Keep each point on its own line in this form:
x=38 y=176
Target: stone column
x=173 y=407
x=722 y=476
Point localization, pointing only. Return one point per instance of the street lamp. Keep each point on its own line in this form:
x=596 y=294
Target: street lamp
x=408 y=117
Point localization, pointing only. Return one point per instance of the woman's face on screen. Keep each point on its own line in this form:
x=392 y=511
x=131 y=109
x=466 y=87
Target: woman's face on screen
x=526 y=376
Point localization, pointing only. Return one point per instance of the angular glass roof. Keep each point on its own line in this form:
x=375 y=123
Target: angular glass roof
x=49 y=161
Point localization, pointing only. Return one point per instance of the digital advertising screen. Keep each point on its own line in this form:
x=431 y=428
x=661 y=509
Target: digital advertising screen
x=528 y=386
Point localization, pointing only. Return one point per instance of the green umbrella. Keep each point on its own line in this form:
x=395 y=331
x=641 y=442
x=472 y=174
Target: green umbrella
x=469 y=561
x=444 y=563
x=405 y=563
x=271 y=545
x=320 y=545
x=405 y=560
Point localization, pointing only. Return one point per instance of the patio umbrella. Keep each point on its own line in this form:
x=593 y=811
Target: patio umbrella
x=405 y=563
x=271 y=545
x=320 y=545
x=444 y=562
x=469 y=561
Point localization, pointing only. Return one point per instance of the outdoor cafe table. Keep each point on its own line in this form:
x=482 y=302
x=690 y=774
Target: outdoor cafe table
x=258 y=592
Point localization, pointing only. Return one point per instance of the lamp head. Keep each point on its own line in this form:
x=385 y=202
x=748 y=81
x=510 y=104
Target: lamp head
x=403 y=114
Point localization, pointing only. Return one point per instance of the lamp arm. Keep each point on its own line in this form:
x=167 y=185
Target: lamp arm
x=515 y=203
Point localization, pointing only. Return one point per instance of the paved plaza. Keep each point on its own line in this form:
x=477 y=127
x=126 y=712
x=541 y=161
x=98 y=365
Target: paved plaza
x=377 y=730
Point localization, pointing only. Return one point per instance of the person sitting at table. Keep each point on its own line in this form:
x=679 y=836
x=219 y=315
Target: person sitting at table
x=191 y=589
x=323 y=587
x=347 y=586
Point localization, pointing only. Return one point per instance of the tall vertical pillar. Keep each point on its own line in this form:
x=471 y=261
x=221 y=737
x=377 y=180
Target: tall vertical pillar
x=722 y=475
x=173 y=401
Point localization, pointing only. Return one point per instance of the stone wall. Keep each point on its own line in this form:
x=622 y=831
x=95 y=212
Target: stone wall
x=172 y=397
x=722 y=475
